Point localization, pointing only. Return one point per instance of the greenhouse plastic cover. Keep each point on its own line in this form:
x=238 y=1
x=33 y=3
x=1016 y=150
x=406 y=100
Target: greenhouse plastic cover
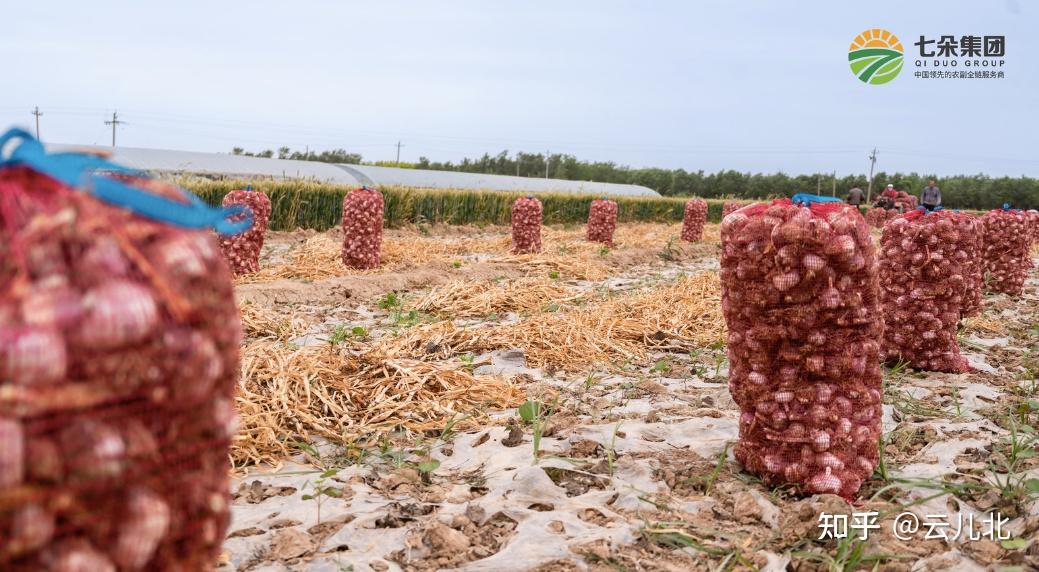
x=242 y=166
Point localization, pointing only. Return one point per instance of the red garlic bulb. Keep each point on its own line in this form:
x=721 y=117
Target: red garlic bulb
x=117 y=313
x=143 y=526
x=32 y=355
x=526 y=225
x=362 y=228
x=12 y=453
x=602 y=221
x=32 y=527
x=693 y=220
x=75 y=555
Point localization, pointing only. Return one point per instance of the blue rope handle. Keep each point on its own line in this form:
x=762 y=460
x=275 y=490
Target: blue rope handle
x=77 y=170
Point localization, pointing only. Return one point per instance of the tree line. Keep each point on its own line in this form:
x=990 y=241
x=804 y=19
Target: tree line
x=959 y=191
x=333 y=156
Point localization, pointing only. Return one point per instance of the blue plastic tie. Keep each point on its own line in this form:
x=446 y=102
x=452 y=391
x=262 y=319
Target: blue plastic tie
x=79 y=171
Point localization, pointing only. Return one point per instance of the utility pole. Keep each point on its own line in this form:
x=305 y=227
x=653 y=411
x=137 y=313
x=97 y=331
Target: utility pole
x=818 y=184
x=398 y=153
x=36 y=112
x=548 y=154
x=114 y=123
x=834 y=194
x=869 y=188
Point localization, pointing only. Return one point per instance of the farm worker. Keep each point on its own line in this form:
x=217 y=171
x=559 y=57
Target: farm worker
x=855 y=196
x=890 y=191
x=931 y=196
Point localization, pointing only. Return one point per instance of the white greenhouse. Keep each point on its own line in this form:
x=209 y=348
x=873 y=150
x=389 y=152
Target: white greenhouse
x=240 y=166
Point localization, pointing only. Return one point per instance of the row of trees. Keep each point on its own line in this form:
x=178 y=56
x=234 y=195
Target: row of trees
x=333 y=156
x=961 y=191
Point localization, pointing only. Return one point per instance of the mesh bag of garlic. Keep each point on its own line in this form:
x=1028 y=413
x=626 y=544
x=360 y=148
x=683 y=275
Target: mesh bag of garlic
x=878 y=217
x=362 y=228
x=242 y=251
x=602 y=221
x=1006 y=252
x=119 y=342
x=922 y=281
x=800 y=300
x=1033 y=222
x=729 y=207
x=526 y=225
x=906 y=201
x=971 y=233
x=693 y=220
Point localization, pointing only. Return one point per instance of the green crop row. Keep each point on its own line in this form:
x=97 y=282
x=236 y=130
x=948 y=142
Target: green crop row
x=298 y=204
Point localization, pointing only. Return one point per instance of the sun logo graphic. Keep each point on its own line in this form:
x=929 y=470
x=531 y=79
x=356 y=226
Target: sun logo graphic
x=875 y=56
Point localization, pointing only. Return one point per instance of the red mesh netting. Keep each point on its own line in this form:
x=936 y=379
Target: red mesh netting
x=878 y=217
x=729 y=207
x=526 y=225
x=1033 y=221
x=693 y=220
x=602 y=221
x=362 y=228
x=971 y=233
x=922 y=282
x=118 y=363
x=905 y=200
x=1006 y=256
x=242 y=251
x=800 y=299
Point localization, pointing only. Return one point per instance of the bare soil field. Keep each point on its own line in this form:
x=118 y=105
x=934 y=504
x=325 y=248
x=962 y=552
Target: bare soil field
x=466 y=408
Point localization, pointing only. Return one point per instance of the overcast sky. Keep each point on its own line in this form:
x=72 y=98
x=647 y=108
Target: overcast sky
x=753 y=85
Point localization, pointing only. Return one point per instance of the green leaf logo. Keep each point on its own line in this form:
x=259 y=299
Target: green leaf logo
x=875 y=56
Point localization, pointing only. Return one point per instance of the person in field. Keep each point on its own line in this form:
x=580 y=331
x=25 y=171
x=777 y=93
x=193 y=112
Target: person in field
x=855 y=196
x=886 y=200
x=931 y=196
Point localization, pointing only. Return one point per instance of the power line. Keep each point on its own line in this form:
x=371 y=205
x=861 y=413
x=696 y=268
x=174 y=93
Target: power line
x=114 y=123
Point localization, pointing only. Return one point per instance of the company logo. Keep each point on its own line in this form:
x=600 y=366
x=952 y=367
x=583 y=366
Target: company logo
x=875 y=56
